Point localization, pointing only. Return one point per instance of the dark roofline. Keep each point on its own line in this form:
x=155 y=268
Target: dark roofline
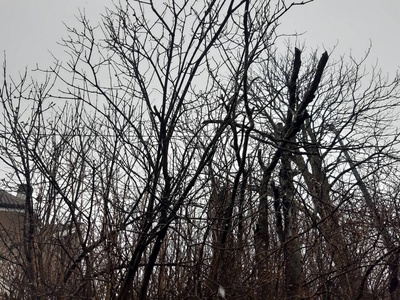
x=9 y=201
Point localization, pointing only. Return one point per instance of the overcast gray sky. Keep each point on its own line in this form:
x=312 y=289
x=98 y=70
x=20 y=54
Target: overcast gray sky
x=352 y=25
x=29 y=29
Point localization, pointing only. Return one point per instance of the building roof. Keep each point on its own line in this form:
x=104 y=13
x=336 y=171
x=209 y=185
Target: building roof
x=9 y=201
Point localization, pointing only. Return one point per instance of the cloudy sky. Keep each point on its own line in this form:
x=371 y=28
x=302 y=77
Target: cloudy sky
x=352 y=25
x=30 y=30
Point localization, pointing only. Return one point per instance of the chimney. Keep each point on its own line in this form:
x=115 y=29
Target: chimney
x=22 y=190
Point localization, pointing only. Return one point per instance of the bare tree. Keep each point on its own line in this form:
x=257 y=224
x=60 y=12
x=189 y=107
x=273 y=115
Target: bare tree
x=326 y=196
x=179 y=154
